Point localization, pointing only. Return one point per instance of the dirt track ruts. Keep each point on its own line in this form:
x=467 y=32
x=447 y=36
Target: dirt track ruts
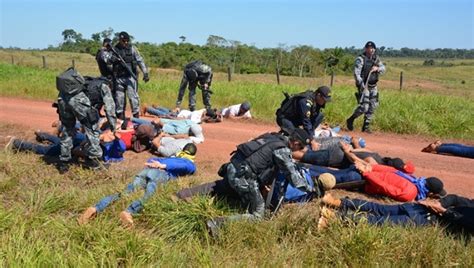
x=221 y=139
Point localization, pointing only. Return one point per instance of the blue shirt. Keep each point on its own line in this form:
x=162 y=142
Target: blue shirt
x=174 y=127
x=176 y=166
x=113 y=151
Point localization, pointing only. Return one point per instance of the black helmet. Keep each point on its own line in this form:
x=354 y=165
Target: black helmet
x=370 y=44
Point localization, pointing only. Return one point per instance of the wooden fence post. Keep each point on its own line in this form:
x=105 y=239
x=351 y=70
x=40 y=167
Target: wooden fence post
x=332 y=78
x=401 y=80
x=13 y=60
x=278 y=75
x=73 y=64
x=44 y=62
x=229 y=74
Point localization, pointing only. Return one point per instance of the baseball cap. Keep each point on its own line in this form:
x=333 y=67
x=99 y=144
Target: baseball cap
x=327 y=181
x=325 y=92
x=300 y=135
x=124 y=36
x=435 y=186
x=370 y=44
x=245 y=106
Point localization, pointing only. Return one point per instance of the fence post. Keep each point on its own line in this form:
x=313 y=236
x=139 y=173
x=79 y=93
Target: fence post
x=401 y=80
x=278 y=75
x=332 y=78
x=73 y=64
x=44 y=62
x=229 y=74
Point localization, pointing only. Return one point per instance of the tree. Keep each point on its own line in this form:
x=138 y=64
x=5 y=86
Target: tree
x=216 y=41
x=183 y=38
x=70 y=36
x=95 y=37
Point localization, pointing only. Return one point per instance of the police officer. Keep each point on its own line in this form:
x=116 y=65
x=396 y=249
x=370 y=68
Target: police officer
x=367 y=68
x=105 y=59
x=196 y=73
x=303 y=110
x=81 y=99
x=124 y=81
x=254 y=166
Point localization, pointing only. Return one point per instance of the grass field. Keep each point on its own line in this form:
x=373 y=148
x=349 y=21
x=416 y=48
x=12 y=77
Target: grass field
x=38 y=228
x=416 y=111
x=39 y=207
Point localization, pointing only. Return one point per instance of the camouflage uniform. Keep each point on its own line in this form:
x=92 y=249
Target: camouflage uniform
x=194 y=73
x=124 y=82
x=104 y=60
x=248 y=186
x=368 y=100
x=79 y=107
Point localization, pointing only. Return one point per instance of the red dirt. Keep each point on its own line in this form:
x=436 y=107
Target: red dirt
x=221 y=139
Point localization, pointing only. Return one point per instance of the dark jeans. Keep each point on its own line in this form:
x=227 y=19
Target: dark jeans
x=219 y=188
x=456 y=149
x=342 y=175
x=402 y=214
x=160 y=111
x=52 y=149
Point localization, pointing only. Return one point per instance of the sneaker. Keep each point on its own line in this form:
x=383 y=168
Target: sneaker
x=88 y=215
x=127 y=219
x=350 y=123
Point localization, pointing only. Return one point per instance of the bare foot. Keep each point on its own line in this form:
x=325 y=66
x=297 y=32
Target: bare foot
x=88 y=215
x=127 y=219
x=330 y=200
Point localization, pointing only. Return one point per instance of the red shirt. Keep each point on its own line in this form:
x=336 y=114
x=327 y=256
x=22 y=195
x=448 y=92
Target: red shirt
x=126 y=137
x=383 y=180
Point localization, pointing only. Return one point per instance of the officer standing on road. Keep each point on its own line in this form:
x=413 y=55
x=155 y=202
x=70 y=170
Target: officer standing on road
x=367 y=68
x=124 y=81
x=81 y=99
x=196 y=73
x=105 y=58
x=254 y=166
x=303 y=110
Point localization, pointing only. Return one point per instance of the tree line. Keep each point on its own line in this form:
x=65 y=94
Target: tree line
x=221 y=54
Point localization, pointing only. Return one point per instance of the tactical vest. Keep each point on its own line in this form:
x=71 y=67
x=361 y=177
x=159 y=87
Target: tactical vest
x=368 y=64
x=127 y=56
x=93 y=89
x=258 y=155
x=104 y=69
x=288 y=108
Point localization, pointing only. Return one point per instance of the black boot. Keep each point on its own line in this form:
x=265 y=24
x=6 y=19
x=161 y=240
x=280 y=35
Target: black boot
x=136 y=115
x=94 y=164
x=366 y=128
x=63 y=167
x=350 y=123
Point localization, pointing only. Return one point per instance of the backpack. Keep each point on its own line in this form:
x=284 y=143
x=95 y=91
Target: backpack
x=288 y=104
x=70 y=82
x=92 y=89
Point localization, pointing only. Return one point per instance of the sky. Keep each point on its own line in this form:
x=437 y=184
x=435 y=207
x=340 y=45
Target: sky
x=263 y=23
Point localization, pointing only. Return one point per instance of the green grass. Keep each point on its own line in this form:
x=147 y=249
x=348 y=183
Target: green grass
x=38 y=228
x=407 y=112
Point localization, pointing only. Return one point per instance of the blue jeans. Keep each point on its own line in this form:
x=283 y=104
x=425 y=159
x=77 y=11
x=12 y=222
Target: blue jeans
x=456 y=149
x=402 y=214
x=52 y=149
x=148 y=179
x=341 y=175
x=140 y=121
x=160 y=111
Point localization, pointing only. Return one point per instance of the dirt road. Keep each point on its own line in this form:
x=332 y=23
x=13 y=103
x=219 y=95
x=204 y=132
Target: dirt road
x=221 y=139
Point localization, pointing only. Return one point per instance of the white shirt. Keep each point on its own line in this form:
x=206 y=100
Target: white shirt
x=195 y=116
x=234 y=111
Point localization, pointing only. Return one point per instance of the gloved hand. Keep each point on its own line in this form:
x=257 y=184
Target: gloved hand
x=146 y=77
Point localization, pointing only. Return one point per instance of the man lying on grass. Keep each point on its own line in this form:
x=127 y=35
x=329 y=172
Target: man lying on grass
x=455 y=212
x=156 y=171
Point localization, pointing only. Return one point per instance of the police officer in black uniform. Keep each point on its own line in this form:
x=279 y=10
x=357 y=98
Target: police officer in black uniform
x=303 y=110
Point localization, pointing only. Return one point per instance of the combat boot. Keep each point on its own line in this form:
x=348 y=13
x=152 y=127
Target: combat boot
x=136 y=115
x=63 y=167
x=350 y=123
x=366 y=128
x=94 y=164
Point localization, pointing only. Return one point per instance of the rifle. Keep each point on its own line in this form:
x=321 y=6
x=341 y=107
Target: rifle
x=122 y=62
x=366 y=88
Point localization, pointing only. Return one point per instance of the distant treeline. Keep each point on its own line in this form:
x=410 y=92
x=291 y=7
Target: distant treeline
x=221 y=54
